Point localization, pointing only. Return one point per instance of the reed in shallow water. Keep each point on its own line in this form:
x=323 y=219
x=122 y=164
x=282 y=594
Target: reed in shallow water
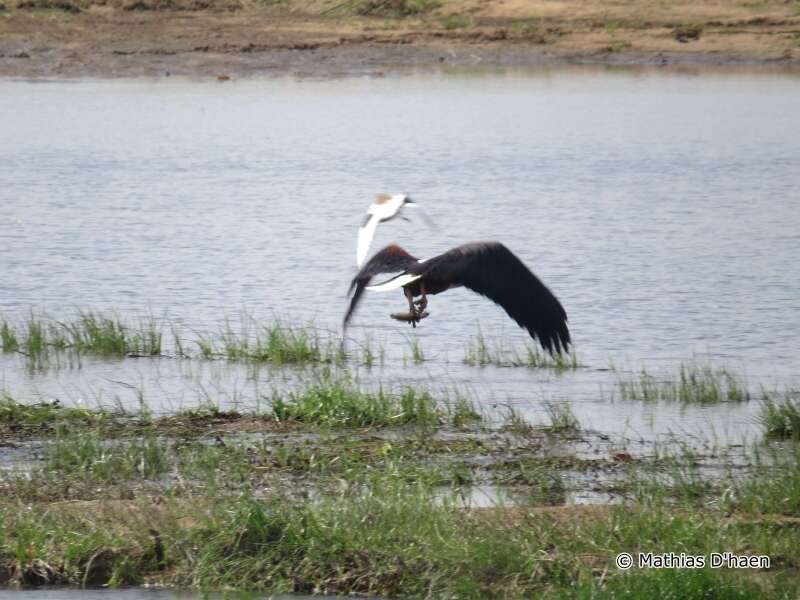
x=693 y=384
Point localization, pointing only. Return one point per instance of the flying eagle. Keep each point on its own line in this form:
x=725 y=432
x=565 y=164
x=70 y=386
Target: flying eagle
x=385 y=208
x=488 y=268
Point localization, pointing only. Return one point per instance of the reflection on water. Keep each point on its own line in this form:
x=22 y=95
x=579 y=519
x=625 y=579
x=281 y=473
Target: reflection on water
x=662 y=210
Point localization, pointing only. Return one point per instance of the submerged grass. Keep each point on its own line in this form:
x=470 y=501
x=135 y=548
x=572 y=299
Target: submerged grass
x=561 y=418
x=417 y=355
x=39 y=338
x=108 y=335
x=482 y=352
x=780 y=417
x=8 y=338
x=693 y=384
x=369 y=353
x=104 y=335
x=43 y=340
x=278 y=343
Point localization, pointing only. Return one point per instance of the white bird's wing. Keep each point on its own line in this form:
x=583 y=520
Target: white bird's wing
x=365 y=234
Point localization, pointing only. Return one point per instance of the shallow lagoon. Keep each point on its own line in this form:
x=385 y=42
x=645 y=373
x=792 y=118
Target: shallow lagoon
x=661 y=207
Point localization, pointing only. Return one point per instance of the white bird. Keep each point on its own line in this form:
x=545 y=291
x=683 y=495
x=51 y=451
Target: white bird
x=385 y=208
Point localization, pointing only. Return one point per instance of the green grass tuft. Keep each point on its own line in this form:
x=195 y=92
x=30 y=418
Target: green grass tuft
x=8 y=338
x=451 y=22
x=539 y=359
x=394 y=8
x=40 y=338
x=277 y=343
x=337 y=402
x=693 y=385
x=462 y=413
x=109 y=336
x=561 y=418
x=417 y=356
x=780 y=417
x=52 y=414
x=673 y=478
x=773 y=488
x=88 y=454
x=482 y=352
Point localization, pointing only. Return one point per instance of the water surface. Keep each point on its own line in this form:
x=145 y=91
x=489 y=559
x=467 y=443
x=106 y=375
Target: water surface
x=662 y=209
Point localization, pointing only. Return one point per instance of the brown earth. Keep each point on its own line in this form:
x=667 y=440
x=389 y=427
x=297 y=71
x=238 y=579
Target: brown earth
x=233 y=38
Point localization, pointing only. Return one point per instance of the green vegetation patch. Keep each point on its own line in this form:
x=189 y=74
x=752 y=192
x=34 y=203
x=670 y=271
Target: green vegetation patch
x=105 y=335
x=481 y=352
x=780 y=417
x=561 y=418
x=277 y=343
x=382 y=514
x=388 y=538
x=394 y=8
x=42 y=417
x=693 y=384
x=337 y=402
x=451 y=22
x=331 y=400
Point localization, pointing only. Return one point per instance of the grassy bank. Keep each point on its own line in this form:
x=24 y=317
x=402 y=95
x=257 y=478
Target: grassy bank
x=387 y=540
x=389 y=533
x=334 y=490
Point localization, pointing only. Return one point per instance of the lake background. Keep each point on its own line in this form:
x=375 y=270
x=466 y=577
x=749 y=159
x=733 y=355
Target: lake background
x=660 y=207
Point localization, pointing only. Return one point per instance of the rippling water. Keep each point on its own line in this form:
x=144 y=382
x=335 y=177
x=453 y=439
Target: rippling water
x=662 y=209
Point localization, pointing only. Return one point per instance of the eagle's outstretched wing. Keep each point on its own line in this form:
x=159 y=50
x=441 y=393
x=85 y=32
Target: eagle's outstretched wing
x=492 y=270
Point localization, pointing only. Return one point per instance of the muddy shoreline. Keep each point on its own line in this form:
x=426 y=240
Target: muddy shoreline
x=361 y=59
x=106 y=42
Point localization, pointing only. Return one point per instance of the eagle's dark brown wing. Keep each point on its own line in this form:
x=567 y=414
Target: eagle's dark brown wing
x=491 y=269
x=391 y=259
